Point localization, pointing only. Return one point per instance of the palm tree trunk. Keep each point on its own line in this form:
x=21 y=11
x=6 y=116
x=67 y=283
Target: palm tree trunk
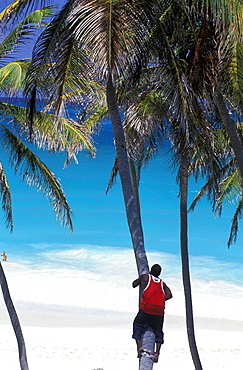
x=135 y=187
x=124 y=172
x=230 y=127
x=185 y=262
x=132 y=212
x=14 y=320
x=146 y=363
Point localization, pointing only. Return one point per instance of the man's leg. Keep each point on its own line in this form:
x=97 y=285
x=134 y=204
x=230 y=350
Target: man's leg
x=159 y=335
x=157 y=348
x=139 y=344
x=139 y=326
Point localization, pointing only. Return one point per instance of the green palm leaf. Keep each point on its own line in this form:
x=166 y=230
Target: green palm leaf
x=6 y=198
x=15 y=8
x=230 y=188
x=229 y=11
x=118 y=40
x=79 y=91
x=71 y=136
x=23 y=30
x=236 y=73
x=235 y=223
x=36 y=173
x=97 y=115
x=52 y=71
x=78 y=29
x=12 y=75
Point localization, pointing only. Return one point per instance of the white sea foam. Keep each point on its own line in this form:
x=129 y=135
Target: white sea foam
x=99 y=278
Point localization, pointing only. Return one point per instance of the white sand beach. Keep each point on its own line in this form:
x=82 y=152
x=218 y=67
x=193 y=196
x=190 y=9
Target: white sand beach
x=111 y=347
x=67 y=325
x=61 y=339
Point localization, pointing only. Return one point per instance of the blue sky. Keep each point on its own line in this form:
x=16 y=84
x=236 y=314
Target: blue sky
x=59 y=3
x=26 y=51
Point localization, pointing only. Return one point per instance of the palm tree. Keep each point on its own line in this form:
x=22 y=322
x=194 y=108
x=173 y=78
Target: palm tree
x=174 y=98
x=110 y=37
x=184 y=158
x=186 y=58
x=202 y=76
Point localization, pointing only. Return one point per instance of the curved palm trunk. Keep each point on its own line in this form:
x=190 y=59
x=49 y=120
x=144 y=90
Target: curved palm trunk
x=124 y=172
x=185 y=262
x=14 y=320
x=229 y=125
x=133 y=217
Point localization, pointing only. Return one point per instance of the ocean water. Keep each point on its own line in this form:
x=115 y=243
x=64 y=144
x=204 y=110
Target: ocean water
x=97 y=259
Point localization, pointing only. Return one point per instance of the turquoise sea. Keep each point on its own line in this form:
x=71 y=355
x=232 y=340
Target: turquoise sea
x=99 y=251
x=99 y=219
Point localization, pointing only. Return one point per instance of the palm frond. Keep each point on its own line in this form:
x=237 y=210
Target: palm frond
x=236 y=73
x=229 y=11
x=203 y=191
x=23 y=30
x=51 y=73
x=97 y=115
x=84 y=96
x=145 y=127
x=113 y=175
x=175 y=88
x=12 y=9
x=114 y=31
x=36 y=173
x=72 y=136
x=216 y=188
x=230 y=188
x=17 y=8
x=6 y=198
x=235 y=223
x=12 y=75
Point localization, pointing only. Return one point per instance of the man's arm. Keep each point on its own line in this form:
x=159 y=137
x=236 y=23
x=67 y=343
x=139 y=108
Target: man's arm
x=136 y=282
x=168 y=294
x=142 y=281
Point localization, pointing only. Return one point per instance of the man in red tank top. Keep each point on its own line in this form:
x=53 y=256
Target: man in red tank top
x=151 y=313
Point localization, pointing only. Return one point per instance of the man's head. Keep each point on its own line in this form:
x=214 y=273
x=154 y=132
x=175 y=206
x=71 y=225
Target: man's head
x=155 y=270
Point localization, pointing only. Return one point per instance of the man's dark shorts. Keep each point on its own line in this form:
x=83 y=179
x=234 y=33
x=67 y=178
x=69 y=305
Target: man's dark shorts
x=143 y=320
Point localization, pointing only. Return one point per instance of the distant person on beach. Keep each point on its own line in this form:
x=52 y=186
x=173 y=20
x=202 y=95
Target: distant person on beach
x=151 y=313
x=4 y=255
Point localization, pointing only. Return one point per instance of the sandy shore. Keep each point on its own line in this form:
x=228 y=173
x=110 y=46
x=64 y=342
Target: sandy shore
x=59 y=337
x=63 y=332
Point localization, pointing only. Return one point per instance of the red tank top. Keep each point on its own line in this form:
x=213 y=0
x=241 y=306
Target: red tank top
x=153 y=297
